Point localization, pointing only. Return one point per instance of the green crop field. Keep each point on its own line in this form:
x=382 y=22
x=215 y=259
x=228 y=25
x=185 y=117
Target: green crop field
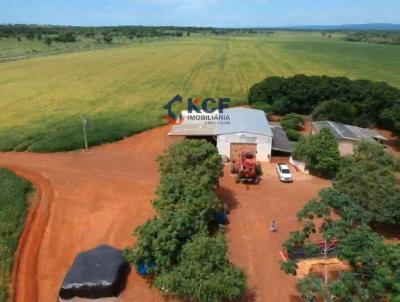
x=122 y=90
x=13 y=209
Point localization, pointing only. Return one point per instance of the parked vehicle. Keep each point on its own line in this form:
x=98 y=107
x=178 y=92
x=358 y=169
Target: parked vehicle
x=246 y=168
x=284 y=173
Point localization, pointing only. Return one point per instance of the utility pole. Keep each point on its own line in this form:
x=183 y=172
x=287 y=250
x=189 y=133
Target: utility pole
x=84 y=123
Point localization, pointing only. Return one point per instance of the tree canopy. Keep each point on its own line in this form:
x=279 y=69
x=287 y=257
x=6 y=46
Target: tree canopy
x=320 y=152
x=375 y=269
x=176 y=246
x=204 y=272
x=369 y=180
x=335 y=110
x=375 y=102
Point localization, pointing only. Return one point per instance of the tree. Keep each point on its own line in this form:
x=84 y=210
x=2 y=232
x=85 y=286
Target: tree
x=320 y=152
x=182 y=190
x=371 y=151
x=175 y=246
x=48 y=41
x=160 y=240
x=65 y=37
x=335 y=110
x=30 y=36
x=361 y=102
x=194 y=158
x=108 y=38
x=390 y=118
x=204 y=273
x=373 y=186
x=374 y=264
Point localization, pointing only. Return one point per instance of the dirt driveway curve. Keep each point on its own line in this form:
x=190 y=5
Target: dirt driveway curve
x=101 y=196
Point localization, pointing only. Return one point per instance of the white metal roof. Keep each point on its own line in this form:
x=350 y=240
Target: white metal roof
x=240 y=120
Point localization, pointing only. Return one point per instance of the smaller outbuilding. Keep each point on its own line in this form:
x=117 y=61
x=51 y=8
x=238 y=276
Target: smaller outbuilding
x=348 y=136
x=97 y=273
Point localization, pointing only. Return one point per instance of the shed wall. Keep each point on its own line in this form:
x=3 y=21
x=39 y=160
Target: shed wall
x=346 y=146
x=264 y=144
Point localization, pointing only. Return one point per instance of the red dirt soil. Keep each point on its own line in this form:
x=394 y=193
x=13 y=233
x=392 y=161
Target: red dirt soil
x=102 y=195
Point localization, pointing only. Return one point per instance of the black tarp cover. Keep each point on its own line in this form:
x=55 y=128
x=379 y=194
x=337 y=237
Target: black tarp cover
x=97 y=273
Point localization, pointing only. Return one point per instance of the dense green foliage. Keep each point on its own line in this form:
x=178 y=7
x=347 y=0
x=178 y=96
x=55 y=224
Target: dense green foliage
x=13 y=210
x=11 y=30
x=176 y=245
x=377 y=36
x=204 y=273
x=369 y=180
x=262 y=106
x=374 y=101
x=160 y=240
x=291 y=123
x=320 y=152
x=335 y=110
x=375 y=268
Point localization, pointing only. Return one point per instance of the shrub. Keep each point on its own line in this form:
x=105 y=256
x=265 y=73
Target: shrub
x=204 y=273
x=65 y=38
x=291 y=121
x=293 y=135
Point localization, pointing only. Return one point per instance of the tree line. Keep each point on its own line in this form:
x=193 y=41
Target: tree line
x=379 y=37
x=360 y=102
x=179 y=247
x=35 y=31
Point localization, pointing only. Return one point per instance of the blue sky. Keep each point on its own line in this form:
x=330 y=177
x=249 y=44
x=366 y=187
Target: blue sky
x=219 y=13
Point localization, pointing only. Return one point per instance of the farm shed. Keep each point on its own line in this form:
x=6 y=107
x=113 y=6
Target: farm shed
x=348 y=136
x=281 y=145
x=233 y=131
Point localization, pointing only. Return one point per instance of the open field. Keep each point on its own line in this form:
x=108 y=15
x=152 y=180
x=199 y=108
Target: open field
x=101 y=196
x=122 y=90
x=12 y=48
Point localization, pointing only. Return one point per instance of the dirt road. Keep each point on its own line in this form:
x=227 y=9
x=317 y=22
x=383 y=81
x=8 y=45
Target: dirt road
x=101 y=196
x=251 y=244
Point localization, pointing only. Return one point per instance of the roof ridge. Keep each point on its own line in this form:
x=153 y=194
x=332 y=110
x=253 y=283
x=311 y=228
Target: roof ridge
x=336 y=129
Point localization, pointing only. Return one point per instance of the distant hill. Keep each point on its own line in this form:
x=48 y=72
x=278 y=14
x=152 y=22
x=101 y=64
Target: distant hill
x=369 y=26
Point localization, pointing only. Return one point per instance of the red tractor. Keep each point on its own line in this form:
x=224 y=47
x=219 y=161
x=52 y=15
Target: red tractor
x=246 y=168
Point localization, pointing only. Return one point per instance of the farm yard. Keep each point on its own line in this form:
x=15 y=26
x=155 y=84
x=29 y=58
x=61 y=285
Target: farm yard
x=122 y=90
x=84 y=211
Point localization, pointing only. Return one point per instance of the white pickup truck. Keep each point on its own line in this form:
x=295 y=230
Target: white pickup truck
x=284 y=173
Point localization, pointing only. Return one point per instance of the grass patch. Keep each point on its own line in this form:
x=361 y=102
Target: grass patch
x=122 y=90
x=13 y=210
